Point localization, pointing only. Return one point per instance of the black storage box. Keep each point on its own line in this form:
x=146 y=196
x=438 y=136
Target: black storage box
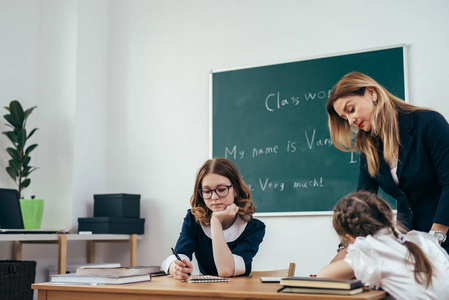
x=117 y=205
x=16 y=278
x=112 y=225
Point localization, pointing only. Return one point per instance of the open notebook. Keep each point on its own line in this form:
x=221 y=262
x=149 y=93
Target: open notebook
x=11 y=215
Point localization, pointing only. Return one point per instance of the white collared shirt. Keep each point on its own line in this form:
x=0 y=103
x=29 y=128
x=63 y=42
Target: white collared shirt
x=379 y=261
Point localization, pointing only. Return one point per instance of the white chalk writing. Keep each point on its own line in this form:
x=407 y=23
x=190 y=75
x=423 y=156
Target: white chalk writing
x=320 y=142
x=266 y=150
x=271 y=185
x=233 y=153
x=312 y=183
x=276 y=101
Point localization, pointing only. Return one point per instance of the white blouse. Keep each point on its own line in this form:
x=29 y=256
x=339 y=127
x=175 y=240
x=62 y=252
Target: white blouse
x=394 y=174
x=394 y=171
x=379 y=261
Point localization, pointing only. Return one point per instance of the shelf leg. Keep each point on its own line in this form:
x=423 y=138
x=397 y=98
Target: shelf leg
x=62 y=253
x=133 y=250
x=91 y=252
x=17 y=250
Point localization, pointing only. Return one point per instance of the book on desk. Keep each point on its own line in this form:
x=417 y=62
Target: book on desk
x=107 y=275
x=317 y=282
x=294 y=289
x=116 y=271
x=94 y=280
x=315 y=285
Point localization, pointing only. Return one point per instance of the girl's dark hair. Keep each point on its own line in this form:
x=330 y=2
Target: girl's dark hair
x=226 y=168
x=363 y=213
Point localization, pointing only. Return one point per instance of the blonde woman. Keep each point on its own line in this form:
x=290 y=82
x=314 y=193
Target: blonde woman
x=404 y=149
x=219 y=228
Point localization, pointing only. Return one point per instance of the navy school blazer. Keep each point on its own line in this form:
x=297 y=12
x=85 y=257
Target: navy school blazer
x=423 y=171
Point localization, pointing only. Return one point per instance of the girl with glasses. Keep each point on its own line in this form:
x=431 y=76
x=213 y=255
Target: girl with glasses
x=219 y=227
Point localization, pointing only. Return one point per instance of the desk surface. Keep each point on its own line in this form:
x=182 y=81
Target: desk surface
x=168 y=288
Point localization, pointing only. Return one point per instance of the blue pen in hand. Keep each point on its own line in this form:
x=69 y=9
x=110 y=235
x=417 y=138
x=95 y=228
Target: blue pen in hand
x=177 y=256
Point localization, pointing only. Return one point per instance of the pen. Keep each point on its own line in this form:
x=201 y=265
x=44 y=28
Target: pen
x=177 y=256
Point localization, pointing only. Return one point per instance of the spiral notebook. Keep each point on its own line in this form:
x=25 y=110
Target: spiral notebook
x=207 y=278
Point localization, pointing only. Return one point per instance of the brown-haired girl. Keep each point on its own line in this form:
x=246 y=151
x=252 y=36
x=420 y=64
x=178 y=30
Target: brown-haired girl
x=404 y=149
x=219 y=227
x=407 y=266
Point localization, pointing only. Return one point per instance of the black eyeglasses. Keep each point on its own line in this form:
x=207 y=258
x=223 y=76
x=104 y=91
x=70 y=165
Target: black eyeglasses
x=221 y=191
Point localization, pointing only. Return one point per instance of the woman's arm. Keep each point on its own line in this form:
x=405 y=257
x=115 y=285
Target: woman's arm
x=437 y=143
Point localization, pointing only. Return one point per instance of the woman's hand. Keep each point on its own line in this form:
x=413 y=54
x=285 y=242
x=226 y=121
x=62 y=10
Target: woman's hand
x=181 y=270
x=227 y=214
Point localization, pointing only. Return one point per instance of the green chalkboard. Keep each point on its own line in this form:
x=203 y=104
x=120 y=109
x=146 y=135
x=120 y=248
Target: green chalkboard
x=271 y=122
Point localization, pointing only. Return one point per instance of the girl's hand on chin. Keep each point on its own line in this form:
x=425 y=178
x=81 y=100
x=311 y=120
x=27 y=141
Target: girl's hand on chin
x=228 y=213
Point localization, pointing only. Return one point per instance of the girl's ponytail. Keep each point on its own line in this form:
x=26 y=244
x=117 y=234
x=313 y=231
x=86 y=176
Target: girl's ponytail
x=423 y=268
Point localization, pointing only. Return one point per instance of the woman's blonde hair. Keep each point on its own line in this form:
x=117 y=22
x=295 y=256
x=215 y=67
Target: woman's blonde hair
x=363 y=213
x=226 y=168
x=384 y=121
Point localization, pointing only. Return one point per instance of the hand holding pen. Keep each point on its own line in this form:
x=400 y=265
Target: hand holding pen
x=180 y=269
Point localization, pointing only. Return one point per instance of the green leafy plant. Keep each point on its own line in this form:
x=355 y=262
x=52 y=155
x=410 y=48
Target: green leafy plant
x=18 y=167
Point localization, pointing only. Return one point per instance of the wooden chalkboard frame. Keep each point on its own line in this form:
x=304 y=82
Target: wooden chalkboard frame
x=300 y=213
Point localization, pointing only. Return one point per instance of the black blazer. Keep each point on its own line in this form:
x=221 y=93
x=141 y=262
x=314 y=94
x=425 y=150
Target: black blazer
x=423 y=171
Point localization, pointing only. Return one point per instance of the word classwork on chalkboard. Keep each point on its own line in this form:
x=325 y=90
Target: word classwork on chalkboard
x=271 y=122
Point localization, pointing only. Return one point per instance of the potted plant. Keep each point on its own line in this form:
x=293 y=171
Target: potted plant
x=19 y=165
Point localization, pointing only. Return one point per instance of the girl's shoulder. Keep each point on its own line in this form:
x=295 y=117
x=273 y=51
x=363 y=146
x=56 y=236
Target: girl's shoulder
x=254 y=228
x=424 y=240
x=379 y=242
x=256 y=223
x=190 y=218
x=430 y=246
x=189 y=214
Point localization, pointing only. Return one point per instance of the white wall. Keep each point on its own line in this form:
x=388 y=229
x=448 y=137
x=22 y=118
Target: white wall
x=122 y=89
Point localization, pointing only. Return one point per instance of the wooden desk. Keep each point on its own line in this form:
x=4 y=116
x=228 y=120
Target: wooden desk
x=169 y=289
x=61 y=240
